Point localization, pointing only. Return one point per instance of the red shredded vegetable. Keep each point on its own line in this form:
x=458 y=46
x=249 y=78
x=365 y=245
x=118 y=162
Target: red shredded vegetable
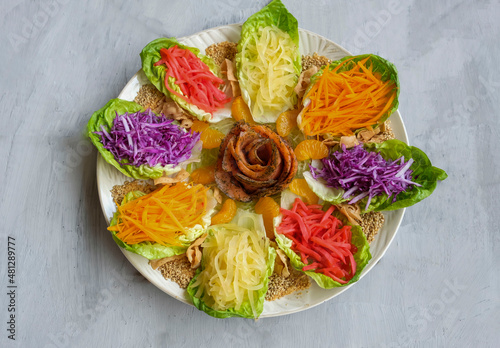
x=321 y=240
x=199 y=86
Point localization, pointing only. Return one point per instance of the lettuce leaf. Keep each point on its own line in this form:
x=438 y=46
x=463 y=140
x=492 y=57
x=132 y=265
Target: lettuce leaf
x=242 y=220
x=386 y=69
x=423 y=173
x=362 y=256
x=156 y=75
x=104 y=117
x=153 y=251
x=275 y=14
x=326 y=193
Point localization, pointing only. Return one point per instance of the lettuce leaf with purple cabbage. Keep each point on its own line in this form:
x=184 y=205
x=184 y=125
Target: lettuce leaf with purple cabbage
x=139 y=143
x=359 y=175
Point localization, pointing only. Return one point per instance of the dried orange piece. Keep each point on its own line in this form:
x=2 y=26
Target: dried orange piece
x=286 y=122
x=199 y=126
x=240 y=111
x=301 y=188
x=269 y=210
x=311 y=149
x=211 y=138
x=226 y=214
x=203 y=175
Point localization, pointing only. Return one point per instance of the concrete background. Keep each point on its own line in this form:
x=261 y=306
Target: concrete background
x=437 y=286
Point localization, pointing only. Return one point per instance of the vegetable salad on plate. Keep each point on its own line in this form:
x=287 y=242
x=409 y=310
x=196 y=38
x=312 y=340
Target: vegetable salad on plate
x=254 y=174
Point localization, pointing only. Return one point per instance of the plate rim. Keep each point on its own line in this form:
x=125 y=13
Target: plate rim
x=131 y=257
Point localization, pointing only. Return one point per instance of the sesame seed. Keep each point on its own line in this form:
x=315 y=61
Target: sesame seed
x=371 y=224
x=222 y=51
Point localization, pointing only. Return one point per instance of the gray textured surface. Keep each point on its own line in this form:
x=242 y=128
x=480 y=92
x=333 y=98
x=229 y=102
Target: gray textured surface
x=438 y=284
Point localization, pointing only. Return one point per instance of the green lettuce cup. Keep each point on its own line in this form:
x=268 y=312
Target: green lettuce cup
x=103 y=120
x=236 y=264
x=361 y=257
x=424 y=175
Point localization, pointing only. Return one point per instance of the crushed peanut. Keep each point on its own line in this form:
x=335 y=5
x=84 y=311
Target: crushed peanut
x=179 y=271
x=149 y=97
x=371 y=223
x=314 y=60
x=221 y=51
x=118 y=192
x=280 y=286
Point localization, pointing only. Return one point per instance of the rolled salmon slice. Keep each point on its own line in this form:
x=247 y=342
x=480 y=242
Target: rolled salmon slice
x=254 y=162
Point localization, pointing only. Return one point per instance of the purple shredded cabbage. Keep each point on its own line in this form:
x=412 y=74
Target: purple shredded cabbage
x=144 y=138
x=361 y=173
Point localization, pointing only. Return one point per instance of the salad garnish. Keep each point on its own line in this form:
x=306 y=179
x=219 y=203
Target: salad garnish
x=323 y=241
x=236 y=264
x=365 y=174
x=355 y=93
x=161 y=216
x=199 y=86
x=144 y=138
x=254 y=162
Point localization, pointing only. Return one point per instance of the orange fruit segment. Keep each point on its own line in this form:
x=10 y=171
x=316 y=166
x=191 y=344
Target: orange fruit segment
x=211 y=138
x=301 y=188
x=286 y=122
x=269 y=210
x=240 y=110
x=311 y=149
x=226 y=214
x=203 y=175
x=199 y=126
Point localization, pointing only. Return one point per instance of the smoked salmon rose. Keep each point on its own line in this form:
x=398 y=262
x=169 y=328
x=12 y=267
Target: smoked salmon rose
x=254 y=162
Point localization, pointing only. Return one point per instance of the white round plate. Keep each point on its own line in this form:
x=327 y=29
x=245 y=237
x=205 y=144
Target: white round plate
x=108 y=176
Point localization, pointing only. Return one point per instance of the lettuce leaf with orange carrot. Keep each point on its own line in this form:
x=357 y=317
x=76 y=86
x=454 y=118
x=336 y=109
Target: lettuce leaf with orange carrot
x=350 y=94
x=157 y=226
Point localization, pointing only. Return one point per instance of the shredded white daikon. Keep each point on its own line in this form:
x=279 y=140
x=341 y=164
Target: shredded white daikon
x=268 y=76
x=234 y=267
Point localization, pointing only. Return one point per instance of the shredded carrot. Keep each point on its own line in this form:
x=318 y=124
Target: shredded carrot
x=342 y=102
x=162 y=215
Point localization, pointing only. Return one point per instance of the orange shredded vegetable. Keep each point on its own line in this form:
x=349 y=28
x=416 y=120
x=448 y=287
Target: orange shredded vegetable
x=162 y=215
x=346 y=101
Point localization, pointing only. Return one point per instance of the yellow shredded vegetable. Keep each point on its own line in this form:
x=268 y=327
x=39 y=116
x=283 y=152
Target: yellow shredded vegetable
x=234 y=268
x=162 y=215
x=268 y=74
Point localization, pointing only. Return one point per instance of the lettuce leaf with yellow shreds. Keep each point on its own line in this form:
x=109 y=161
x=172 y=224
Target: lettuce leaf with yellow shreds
x=252 y=69
x=251 y=226
x=154 y=251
